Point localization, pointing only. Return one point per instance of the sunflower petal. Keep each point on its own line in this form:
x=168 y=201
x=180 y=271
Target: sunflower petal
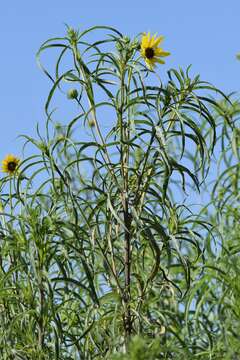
x=161 y=52
x=144 y=42
x=157 y=41
x=165 y=53
x=160 y=61
x=152 y=40
x=150 y=63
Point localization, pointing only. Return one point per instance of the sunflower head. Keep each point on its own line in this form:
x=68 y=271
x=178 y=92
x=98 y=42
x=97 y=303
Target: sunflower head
x=10 y=164
x=150 y=50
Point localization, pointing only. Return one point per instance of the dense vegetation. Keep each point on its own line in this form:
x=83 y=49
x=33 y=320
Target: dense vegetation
x=120 y=232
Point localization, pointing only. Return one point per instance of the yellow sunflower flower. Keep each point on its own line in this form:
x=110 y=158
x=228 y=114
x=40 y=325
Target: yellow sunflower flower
x=151 y=52
x=10 y=164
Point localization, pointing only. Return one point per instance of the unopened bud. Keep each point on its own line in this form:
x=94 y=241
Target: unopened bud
x=91 y=123
x=72 y=94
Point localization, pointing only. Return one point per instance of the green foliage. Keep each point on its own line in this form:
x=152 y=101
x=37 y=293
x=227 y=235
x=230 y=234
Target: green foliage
x=142 y=348
x=139 y=350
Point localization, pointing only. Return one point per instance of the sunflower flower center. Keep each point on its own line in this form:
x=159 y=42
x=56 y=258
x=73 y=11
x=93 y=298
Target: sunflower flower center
x=149 y=53
x=12 y=166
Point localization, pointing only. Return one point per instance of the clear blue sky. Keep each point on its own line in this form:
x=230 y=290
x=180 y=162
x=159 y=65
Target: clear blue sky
x=203 y=33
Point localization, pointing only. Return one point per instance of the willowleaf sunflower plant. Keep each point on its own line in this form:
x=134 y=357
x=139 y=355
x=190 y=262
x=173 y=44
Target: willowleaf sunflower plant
x=99 y=237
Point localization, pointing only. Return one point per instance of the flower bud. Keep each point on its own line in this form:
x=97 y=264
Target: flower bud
x=91 y=123
x=73 y=36
x=72 y=94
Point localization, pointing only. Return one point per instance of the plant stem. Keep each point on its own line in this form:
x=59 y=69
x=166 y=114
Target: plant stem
x=126 y=214
x=127 y=265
